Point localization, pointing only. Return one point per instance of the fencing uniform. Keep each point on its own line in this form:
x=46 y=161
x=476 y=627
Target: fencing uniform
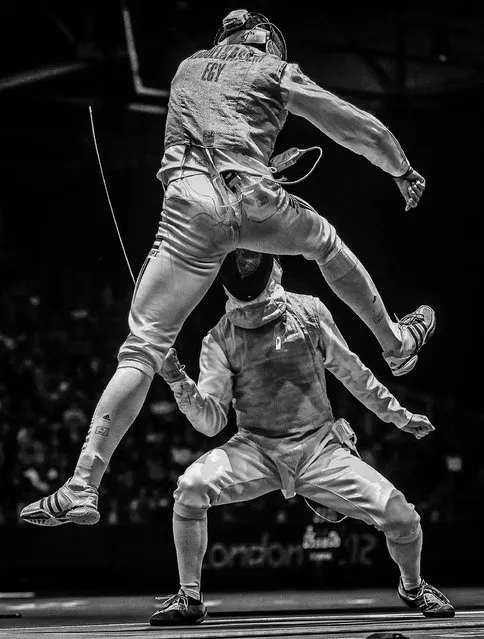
x=226 y=108
x=268 y=358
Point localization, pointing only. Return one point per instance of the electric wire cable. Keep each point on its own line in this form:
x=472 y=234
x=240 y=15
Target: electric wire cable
x=107 y=195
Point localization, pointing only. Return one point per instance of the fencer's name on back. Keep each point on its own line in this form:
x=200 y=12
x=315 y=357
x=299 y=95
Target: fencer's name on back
x=228 y=53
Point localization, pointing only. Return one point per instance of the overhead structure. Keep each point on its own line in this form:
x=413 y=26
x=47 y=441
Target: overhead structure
x=383 y=53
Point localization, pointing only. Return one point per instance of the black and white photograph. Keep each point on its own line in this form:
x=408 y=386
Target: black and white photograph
x=241 y=264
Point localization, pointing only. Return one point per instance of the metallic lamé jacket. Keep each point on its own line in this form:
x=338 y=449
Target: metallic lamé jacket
x=229 y=97
x=234 y=99
x=268 y=359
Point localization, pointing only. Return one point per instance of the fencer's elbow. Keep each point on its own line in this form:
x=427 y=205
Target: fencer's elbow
x=218 y=425
x=214 y=430
x=209 y=430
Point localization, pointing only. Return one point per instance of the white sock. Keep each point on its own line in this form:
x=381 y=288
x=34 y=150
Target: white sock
x=407 y=557
x=116 y=411
x=352 y=283
x=191 y=538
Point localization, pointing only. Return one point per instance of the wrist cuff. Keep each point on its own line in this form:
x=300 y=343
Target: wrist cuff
x=180 y=379
x=407 y=418
x=404 y=175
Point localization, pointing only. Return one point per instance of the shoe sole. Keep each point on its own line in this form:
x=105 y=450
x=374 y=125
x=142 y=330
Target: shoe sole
x=191 y=623
x=442 y=615
x=50 y=522
x=80 y=515
x=406 y=368
x=83 y=516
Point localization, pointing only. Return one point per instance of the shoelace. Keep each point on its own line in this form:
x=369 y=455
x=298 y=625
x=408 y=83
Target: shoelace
x=441 y=598
x=178 y=601
x=411 y=318
x=426 y=588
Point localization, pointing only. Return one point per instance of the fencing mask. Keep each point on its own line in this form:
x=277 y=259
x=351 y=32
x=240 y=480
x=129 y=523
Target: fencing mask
x=245 y=273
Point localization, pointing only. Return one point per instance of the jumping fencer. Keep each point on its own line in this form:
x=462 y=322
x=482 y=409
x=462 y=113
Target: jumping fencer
x=226 y=108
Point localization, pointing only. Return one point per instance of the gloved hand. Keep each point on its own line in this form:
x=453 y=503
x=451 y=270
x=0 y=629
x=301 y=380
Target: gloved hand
x=419 y=426
x=411 y=185
x=172 y=371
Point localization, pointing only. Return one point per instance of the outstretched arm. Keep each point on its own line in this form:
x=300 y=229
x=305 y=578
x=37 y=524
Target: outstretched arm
x=352 y=128
x=360 y=381
x=206 y=404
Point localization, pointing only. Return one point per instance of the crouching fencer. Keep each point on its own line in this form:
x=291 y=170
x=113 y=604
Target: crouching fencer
x=226 y=108
x=267 y=356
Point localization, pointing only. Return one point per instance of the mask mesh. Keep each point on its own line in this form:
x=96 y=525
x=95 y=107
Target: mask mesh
x=245 y=273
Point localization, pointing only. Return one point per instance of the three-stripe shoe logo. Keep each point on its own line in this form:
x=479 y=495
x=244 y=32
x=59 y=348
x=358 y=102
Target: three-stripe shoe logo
x=419 y=328
x=52 y=506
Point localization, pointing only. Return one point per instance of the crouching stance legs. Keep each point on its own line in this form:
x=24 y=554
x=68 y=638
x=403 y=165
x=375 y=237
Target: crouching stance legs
x=241 y=470
x=405 y=550
x=338 y=479
x=238 y=471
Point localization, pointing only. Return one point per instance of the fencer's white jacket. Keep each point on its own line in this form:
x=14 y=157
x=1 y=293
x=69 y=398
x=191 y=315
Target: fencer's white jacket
x=238 y=108
x=268 y=358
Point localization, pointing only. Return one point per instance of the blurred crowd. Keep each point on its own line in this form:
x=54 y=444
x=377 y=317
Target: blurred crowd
x=56 y=355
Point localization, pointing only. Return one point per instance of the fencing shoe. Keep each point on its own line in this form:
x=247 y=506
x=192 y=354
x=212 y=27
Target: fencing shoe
x=67 y=504
x=179 y=610
x=417 y=328
x=430 y=601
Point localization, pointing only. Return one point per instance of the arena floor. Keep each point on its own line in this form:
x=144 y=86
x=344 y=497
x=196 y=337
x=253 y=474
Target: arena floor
x=327 y=614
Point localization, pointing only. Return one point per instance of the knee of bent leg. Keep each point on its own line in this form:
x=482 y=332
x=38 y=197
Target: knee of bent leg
x=192 y=494
x=401 y=520
x=338 y=263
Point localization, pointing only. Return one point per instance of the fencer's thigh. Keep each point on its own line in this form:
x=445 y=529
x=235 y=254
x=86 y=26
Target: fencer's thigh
x=339 y=480
x=273 y=221
x=196 y=231
x=237 y=471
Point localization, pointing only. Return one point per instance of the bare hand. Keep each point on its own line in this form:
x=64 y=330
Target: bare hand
x=411 y=186
x=419 y=426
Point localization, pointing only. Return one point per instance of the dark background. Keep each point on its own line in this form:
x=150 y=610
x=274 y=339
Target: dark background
x=65 y=288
